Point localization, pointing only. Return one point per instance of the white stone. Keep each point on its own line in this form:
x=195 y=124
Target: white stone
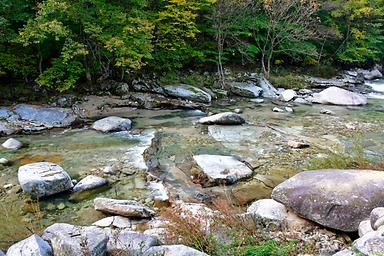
x=88 y=183
x=287 y=95
x=112 y=124
x=32 y=246
x=338 y=96
x=12 y=144
x=226 y=118
x=4 y=161
x=43 y=179
x=222 y=169
x=364 y=227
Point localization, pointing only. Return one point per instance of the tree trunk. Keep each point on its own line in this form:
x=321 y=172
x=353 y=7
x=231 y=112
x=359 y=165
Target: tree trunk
x=88 y=74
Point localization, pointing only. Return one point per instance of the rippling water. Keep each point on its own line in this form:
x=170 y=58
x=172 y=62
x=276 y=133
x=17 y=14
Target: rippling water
x=378 y=87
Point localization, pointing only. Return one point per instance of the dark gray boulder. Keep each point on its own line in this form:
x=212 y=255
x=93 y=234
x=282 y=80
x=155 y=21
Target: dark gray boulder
x=47 y=117
x=338 y=199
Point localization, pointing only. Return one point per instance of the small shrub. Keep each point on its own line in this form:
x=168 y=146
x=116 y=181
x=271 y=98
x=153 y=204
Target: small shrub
x=346 y=160
x=270 y=248
x=288 y=81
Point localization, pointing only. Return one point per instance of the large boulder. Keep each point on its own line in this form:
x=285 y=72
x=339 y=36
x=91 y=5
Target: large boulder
x=47 y=117
x=338 y=96
x=69 y=240
x=127 y=208
x=12 y=144
x=226 y=118
x=32 y=246
x=338 y=199
x=222 y=169
x=173 y=250
x=112 y=124
x=187 y=92
x=249 y=90
x=43 y=179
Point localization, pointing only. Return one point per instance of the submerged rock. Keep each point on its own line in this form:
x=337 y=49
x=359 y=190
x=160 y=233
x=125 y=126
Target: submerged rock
x=4 y=161
x=112 y=124
x=43 y=179
x=173 y=250
x=222 y=169
x=338 y=199
x=338 y=96
x=127 y=208
x=246 y=89
x=12 y=144
x=187 y=92
x=226 y=118
x=32 y=246
x=70 y=240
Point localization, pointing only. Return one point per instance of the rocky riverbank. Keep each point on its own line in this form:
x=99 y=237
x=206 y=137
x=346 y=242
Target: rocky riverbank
x=133 y=179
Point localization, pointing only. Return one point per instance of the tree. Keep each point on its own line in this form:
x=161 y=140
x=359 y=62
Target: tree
x=15 y=60
x=227 y=17
x=360 y=22
x=175 y=30
x=285 y=28
x=87 y=38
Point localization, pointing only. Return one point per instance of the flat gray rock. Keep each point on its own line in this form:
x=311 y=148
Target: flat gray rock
x=70 y=240
x=338 y=96
x=88 y=183
x=112 y=124
x=226 y=118
x=48 y=117
x=12 y=144
x=338 y=199
x=173 y=250
x=43 y=179
x=127 y=208
x=248 y=90
x=32 y=246
x=187 y=92
x=222 y=169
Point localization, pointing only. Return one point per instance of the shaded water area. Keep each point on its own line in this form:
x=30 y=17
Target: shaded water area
x=261 y=143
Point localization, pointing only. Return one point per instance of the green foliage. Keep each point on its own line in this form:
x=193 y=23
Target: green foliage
x=360 y=26
x=270 y=248
x=288 y=81
x=89 y=35
x=175 y=30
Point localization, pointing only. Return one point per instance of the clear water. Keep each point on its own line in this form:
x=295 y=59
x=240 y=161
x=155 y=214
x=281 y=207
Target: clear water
x=378 y=88
x=261 y=142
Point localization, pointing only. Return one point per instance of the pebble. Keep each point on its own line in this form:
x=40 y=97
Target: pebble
x=61 y=206
x=4 y=161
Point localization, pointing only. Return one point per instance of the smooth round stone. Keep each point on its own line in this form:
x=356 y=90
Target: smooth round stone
x=12 y=144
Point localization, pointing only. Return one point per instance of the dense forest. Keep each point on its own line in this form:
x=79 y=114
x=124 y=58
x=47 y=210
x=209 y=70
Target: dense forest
x=62 y=43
